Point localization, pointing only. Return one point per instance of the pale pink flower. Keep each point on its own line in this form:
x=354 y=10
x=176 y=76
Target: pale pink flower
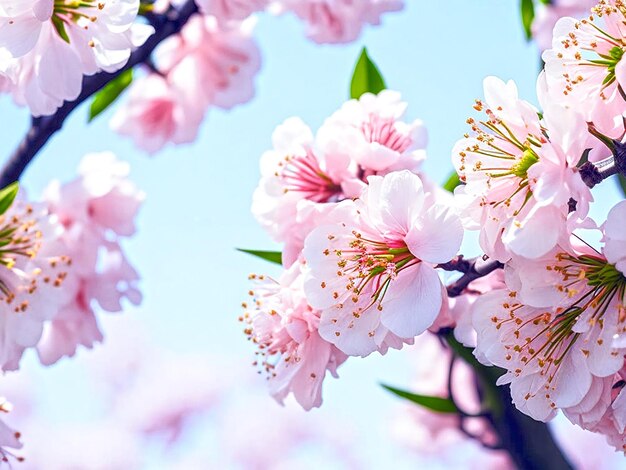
x=372 y=275
x=96 y=210
x=339 y=21
x=520 y=173
x=207 y=64
x=584 y=67
x=225 y=10
x=372 y=132
x=158 y=112
x=86 y=37
x=33 y=271
x=437 y=436
x=546 y=16
x=283 y=325
x=9 y=438
x=615 y=237
x=556 y=330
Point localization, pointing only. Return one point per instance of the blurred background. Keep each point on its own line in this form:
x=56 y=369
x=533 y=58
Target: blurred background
x=172 y=385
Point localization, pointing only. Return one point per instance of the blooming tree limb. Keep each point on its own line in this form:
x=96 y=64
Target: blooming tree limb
x=44 y=127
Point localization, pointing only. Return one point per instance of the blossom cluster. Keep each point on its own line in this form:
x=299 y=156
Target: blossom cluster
x=364 y=233
x=48 y=46
x=60 y=257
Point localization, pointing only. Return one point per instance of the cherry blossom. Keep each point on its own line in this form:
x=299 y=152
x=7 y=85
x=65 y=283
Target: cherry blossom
x=207 y=64
x=85 y=37
x=556 y=330
x=225 y=10
x=547 y=15
x=283 y=325
x=615 y=238
x=95 y=210
x=34 y=267
x=338 y=21
x=373 y=274
x=520 y=172
x=584 y=67
x=304 y=176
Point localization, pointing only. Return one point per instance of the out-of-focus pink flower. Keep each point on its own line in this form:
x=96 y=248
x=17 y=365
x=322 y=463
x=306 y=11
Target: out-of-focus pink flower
x=95 y=210
x=86 y=37
x=438 y=436
x=207 y=64
x=338 y=21
x=584 y=67
x=546 y=16
x=158 y=112
x=615 y=237
x=9 y=438
x=371 y=273
x=284 y=326
x=520 y=173
x=225 y=10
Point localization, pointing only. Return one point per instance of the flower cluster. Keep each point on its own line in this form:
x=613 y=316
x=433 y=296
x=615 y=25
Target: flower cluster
x=363 y=233
x=37 y=36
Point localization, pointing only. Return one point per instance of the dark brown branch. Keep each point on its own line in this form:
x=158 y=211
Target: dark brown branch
x=472 y=269
x=594 y=173
x=43 y=128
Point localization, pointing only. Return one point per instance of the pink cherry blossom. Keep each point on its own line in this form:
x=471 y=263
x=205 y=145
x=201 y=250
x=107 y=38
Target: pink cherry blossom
x=86 y=37
x=372 y=275
x=225 y=10
x=96 y=210
x=304 y=176
x=158 y=112
x=554 y=330
x=584 y=67
x=207 y=64
x=615 y=237
x=34 y=267
x=338 y=21
x=9 y=438
x=546 y=16
x=438 y=436
x=284 y=327
x=372 y=132
x=518 y=181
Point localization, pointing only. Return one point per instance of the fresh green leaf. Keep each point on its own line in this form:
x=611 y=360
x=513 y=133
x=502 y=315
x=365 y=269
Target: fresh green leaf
x=366 y=77
x=437 y=404
x=527 y=8
x=622 y=183
x=271 y=256
x=59 y=25
x=7 y=196
x=452 y=182
x=112 y=90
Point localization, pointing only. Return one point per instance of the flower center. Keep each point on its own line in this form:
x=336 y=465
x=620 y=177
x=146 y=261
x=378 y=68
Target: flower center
x=302 y=173
x=368 y=264
x=80 y=12
x=384 y=132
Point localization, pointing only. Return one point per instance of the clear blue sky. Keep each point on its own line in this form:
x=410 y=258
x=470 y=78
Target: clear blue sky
x=197 y=210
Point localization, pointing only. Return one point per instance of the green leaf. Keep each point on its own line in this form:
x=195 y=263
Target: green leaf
x=112 y=90
x=452 y=182
x=527 y=8
x=366 y=77
x=271 y=256
x=622 y=183
x=437 y=404
x=7 y=196
x=59 y=25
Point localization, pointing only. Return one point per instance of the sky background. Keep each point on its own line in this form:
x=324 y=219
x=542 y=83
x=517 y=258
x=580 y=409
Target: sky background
x=198 y=196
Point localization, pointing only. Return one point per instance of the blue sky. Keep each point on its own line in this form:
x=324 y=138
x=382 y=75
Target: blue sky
x=198 y=196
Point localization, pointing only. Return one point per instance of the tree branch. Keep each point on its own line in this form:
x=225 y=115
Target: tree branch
x=594 y=173
x=472 y=269
x=43 y=128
